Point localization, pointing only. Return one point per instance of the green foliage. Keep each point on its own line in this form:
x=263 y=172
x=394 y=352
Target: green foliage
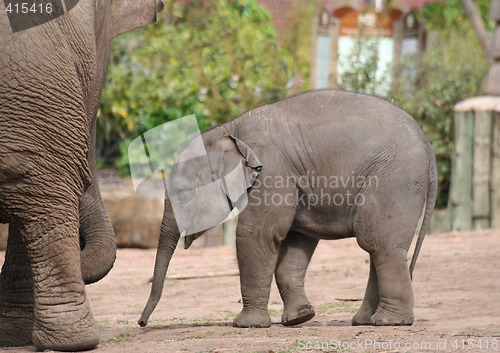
x=443 y=77
x=216 y=59
x=450 y=14
x=360 y=73
x=298 y=39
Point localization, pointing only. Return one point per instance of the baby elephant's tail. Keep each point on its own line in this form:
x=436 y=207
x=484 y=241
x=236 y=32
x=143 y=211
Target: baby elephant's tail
x=430 y=201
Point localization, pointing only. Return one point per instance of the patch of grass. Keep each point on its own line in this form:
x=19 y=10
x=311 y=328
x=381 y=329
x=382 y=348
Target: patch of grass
x=105 y=324
x=287 y=350
x=229 y=314
x=171 y=321
x=206 y=321
x=313 y=332
x=207 y=350
x=433 y=305
x=274 y=313
x=336 y=307
x=195 y=337
x=232 y=333
x=122 y=322
x=122 y=337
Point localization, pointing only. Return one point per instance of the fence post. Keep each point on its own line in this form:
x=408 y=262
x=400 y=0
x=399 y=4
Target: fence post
x=461 y=172
x=481 y=170
x=474 y=201
x=495 y=170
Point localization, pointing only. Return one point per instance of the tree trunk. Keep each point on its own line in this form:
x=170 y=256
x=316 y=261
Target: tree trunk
x=478 y=26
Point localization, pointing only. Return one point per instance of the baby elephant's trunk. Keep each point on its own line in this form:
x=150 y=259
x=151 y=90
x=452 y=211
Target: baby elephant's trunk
x=169 y=237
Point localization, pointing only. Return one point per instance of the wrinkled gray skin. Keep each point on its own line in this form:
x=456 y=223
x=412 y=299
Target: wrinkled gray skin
x=50 y=85
x=330 y=134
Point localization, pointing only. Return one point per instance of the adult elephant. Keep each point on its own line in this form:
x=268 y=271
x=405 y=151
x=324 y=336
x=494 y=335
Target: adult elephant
x=51 y=76
x=319 y=165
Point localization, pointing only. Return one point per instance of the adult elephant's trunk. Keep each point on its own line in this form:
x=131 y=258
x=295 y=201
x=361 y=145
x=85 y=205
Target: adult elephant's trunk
x=169 y=237
x=97 y=237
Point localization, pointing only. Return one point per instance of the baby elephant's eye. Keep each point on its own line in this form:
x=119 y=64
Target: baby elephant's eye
x=184 y=197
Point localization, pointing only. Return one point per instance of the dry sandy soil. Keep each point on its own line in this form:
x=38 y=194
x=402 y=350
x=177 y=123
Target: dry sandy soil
x=456 y=284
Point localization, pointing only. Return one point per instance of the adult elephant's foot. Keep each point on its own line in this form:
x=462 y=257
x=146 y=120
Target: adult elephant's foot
x=252 y=318
x=388 y=316
x=15 y=329
x=65 y=328
x=297 y=314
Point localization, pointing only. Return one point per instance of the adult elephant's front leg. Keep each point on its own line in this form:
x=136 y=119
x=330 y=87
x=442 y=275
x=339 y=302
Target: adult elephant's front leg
x=63 y=320
x=258 y=237
x=16 y=293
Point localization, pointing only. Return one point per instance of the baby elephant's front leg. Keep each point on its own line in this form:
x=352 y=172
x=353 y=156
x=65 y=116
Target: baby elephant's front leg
x=256 y=273
x=258 y=239
x=295 y=254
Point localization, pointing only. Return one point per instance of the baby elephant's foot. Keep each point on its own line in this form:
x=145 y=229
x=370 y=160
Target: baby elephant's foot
x=297 y=315
x=252 y=318
x=363 y=317
x=386 y=317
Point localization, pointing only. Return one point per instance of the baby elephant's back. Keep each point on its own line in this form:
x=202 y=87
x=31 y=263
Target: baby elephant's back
x=347 y=132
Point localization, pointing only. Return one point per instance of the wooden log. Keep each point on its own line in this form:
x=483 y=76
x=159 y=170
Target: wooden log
x=461 y=174
x=481 y=169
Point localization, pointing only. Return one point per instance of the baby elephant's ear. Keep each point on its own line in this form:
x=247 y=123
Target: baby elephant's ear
x=251 y=165
x=238 y=167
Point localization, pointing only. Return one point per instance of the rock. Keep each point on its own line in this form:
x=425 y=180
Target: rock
x=136 y=217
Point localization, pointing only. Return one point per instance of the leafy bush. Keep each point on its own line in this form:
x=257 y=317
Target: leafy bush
x=216 y=59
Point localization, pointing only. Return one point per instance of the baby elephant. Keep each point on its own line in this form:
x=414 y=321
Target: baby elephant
x=319 y=165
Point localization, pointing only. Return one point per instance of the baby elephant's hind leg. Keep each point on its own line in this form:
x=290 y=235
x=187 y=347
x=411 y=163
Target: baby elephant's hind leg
x=396 y=294
x=371 y=300
x=385 y=229
x=295 y=254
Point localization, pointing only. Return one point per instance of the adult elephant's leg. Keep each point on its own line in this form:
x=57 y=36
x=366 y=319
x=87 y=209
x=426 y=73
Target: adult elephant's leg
x=259 y=235
x=63 y=320
x=295 y=254
x=16 y=293
x=370 y=301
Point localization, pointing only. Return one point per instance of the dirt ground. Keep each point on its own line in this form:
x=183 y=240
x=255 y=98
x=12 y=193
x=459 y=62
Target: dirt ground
x=457 y=302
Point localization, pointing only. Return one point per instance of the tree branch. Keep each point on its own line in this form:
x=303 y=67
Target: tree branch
x=478 y=26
